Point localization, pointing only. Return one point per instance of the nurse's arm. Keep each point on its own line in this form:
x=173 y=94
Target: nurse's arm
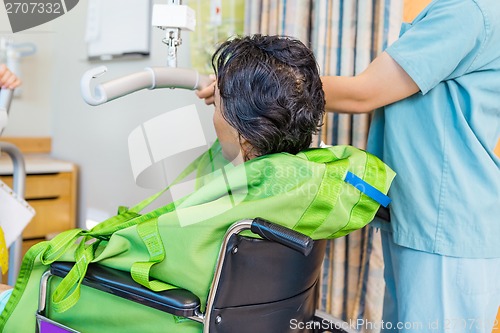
x=382 y=83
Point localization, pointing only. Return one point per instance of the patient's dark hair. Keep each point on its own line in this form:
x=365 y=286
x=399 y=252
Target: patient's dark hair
x=271 y=92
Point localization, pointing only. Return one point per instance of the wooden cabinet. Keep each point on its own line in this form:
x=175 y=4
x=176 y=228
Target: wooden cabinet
x=51 y=189
x=52 y=196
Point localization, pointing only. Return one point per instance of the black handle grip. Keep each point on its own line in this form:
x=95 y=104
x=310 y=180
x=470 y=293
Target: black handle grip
x=384 y=214
x=278 y=233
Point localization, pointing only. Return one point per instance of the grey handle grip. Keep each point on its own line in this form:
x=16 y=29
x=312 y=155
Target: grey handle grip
x=6 y=98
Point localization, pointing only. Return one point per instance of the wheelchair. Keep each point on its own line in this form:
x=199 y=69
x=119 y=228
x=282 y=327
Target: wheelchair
x=266 y=284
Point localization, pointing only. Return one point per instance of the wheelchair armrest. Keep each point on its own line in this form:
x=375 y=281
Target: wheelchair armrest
x=179 y=302
x=278 y=233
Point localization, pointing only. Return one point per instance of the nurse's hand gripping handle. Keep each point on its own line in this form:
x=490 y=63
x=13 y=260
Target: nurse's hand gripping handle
x=283 y=235
x=149 y=78
x=5 y=99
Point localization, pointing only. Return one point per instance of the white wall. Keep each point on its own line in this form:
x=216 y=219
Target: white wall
x=95 y=138
x=30 y=115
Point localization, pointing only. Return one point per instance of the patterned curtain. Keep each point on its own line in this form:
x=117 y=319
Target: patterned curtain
x=345 y=36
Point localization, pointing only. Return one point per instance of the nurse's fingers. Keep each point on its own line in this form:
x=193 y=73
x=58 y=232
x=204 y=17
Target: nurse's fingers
x=12 y=82
x=207 y=93
x=8 y=79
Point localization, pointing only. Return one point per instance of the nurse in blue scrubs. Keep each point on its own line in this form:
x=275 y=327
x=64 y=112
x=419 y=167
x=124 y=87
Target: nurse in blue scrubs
x=439 y=89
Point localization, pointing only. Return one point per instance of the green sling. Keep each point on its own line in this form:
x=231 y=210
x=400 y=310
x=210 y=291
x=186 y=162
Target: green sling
x=177 y=245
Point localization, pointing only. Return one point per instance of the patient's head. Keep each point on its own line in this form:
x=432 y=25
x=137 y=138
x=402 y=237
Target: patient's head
x=269 y=97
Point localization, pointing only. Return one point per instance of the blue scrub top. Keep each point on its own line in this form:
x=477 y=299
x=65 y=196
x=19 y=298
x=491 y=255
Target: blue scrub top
x=440 y=141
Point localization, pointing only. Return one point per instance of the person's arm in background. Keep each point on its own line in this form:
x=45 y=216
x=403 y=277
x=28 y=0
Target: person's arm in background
x=382 y=83
x=8 y=80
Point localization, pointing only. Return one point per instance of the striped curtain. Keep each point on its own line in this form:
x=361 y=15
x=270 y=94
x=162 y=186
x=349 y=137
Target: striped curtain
x=345 y=36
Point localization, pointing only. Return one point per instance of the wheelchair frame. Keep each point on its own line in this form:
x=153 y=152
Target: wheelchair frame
x=181 y=302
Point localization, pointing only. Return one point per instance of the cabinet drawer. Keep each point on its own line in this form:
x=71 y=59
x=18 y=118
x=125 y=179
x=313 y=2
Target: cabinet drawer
x=45 y=186
x=52 y=216
x=27 y=244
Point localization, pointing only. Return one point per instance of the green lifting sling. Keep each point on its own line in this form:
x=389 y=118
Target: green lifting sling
x=321 y=192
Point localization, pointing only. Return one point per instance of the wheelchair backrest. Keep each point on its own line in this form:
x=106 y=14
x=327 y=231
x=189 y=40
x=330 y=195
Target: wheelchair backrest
x=264 y=285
